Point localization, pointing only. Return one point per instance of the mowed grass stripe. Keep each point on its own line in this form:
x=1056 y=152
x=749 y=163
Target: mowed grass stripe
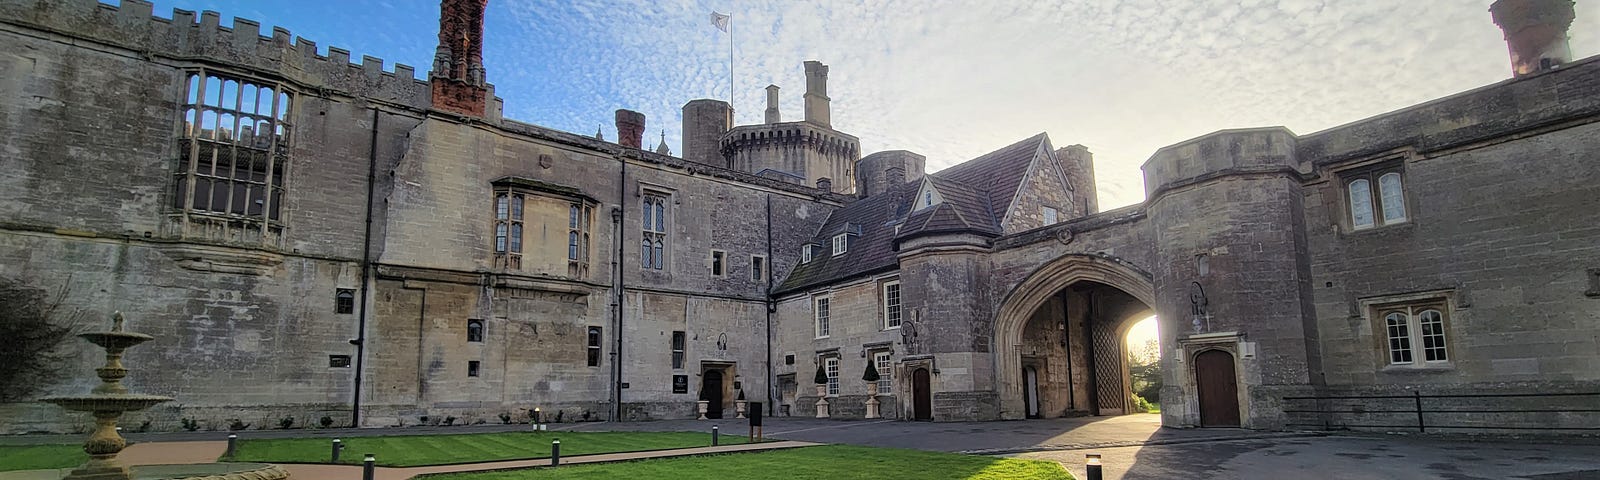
x=831 y=462
x=418 y=450
x=41 y=457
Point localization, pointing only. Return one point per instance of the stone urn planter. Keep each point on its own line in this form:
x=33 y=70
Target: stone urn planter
x=739 y=405
x=821 y=379
x=702 y=406
x=871 y=377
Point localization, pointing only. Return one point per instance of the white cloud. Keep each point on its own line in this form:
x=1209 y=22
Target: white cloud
x=953 y=80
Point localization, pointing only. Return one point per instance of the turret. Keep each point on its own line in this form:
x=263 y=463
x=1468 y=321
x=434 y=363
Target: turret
x=704 y=122
x=1078 y=165
x=881 y=171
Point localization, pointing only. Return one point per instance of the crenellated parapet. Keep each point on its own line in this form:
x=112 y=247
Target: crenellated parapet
x=803 y=149
x=202 y=38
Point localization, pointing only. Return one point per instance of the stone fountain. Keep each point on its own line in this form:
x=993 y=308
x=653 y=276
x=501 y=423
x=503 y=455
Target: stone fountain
x=108 y=402
x=111 y=399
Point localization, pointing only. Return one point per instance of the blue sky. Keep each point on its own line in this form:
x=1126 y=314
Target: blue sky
x=955 y=79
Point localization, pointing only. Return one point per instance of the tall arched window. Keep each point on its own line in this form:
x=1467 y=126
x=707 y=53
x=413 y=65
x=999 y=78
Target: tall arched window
x=1377 y=197
x=1392 y=196
x=1361 y=203
x=652 y=254
x=1432 y=327
x=1399 y=337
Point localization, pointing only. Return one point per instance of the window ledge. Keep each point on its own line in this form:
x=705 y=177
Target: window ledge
x=1438 y=367
x=1392 y=228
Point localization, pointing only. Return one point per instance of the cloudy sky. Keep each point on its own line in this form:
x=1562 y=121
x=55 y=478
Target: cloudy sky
x=952 y=79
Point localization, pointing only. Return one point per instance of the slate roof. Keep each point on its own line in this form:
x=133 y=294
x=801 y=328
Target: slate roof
x=976 y=195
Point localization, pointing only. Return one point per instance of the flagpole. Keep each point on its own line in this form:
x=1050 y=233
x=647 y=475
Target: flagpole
x=732 y=87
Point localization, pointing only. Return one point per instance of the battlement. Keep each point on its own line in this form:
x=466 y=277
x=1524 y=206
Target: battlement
x=186 y=37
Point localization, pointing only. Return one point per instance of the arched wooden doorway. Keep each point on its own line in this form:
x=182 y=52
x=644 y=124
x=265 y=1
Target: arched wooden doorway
x=922 y=395
x=711 y=392
x=1218 y=388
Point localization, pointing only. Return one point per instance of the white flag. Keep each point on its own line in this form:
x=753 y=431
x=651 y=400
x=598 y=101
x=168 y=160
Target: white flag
x=720 y=20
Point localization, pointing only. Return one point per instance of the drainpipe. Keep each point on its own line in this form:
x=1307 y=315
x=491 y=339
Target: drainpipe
x=771 y=380
x=617 y=290
x=366 y=275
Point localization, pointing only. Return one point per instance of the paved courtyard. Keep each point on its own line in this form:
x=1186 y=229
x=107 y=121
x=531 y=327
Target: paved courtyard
x=1133 y=447
x=1340 y=457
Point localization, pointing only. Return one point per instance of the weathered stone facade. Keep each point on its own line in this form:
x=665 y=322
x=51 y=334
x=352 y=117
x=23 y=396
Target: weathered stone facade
x=399 y=251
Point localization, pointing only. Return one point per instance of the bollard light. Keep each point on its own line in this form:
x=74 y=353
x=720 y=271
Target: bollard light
x=555 y=452
x=233 y=444
x=369 y=467
x=1091 y=466
x=536 y=415
x=337 y=447
x=714 y=434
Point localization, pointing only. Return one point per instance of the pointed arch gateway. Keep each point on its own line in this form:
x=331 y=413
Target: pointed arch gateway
x=1105 y=373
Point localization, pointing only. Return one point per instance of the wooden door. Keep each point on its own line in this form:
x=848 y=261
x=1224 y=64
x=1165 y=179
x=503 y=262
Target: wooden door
x=1218 y=387
x=922 y=395
x=711 y=392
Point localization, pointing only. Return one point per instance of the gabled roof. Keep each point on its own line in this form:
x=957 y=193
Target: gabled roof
x=999 y=173
x=976 y=195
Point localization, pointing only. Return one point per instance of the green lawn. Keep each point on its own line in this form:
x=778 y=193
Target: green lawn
x=40 y=457
x=831 y=462
x=417 y=450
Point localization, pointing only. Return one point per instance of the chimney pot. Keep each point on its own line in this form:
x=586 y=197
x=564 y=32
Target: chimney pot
x=630 y=128
x=772 y=104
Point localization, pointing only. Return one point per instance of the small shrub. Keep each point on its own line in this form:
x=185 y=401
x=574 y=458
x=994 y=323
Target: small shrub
x=505 y=418
x=326 y=421
x=190 y=424
x=423 y=420
x=286 y=423
x=143 y=427
x=1141 y=405
x=586 y=415
x=237 y=425
x=821 y=378
x=448 y=421
x=480 y=422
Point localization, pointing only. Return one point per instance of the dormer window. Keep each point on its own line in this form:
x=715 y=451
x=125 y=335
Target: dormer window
x=805 y=253
x=840 y=244
x=927 y=198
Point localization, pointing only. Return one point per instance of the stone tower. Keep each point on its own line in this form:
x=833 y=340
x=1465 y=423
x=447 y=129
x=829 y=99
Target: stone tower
x=881 y=171
x=458 y=77
x=704 y=123
x=1235 y=182
x=1536 y=32
x=1078 y=165
x=803 y=152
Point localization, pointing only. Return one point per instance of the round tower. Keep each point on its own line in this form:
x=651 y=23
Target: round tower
x=704 y=122
x=881 y=171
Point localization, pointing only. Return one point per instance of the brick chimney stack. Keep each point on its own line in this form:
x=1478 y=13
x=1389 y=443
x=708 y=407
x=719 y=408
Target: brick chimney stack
x=1536 y=32
x=630 y=128
x=458 y=77
x=817 y=93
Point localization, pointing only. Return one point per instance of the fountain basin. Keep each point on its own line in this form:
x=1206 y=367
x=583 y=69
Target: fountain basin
x=115 y=340
x=111 y=402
